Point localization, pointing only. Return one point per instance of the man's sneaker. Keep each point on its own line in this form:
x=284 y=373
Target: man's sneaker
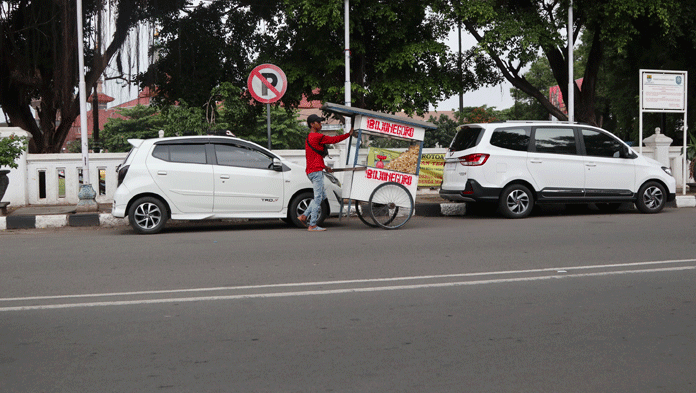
x=316 y=228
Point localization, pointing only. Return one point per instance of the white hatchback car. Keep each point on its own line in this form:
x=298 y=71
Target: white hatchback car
x=518 y=164
x=209 y=177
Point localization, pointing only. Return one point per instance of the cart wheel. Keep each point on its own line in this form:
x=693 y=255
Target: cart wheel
x=391 y=205
x=362 y=209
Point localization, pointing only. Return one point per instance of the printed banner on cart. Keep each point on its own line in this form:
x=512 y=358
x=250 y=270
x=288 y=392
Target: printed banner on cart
x=431 y=166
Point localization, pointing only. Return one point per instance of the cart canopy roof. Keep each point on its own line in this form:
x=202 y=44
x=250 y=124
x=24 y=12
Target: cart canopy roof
x=351 y=111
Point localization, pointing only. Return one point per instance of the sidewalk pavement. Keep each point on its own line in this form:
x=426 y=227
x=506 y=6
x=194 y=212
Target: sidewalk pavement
x=428 y=204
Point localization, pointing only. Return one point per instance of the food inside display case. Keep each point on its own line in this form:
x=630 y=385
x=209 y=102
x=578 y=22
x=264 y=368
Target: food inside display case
x=406 y=162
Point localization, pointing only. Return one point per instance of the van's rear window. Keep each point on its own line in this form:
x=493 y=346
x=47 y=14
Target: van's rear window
x=466 y=138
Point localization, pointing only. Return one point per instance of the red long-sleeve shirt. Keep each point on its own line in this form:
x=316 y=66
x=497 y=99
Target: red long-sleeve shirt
x=315 y=162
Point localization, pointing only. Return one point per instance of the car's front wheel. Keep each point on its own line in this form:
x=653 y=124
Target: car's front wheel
x=299 y=205
x=147 y=215
x=516 y=201
x=652 y=197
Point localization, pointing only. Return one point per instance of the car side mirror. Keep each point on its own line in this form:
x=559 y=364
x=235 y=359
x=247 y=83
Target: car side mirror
x=277 y=165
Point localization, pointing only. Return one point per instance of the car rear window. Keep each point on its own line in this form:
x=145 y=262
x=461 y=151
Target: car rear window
x=190 y=154
x=466 y=138
x=512 y=138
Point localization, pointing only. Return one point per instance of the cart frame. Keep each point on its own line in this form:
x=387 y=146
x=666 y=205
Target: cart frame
x=383 y=198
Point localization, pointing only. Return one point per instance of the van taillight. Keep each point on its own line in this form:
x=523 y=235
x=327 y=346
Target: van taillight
x=474 y=159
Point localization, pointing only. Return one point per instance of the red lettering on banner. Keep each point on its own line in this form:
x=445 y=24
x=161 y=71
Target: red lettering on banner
x=406 y=180
x=390 y=128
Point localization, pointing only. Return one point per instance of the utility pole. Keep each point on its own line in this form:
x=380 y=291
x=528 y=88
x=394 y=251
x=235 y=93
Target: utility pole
x=571 y=79
x=86 y=193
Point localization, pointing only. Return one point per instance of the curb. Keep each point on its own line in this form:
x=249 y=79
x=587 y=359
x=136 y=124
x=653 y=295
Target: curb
x=107 y=220
x=440 y=209
x=61 y=220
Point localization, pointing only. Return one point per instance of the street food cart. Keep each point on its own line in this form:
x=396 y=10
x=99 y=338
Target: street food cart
x=382 y=167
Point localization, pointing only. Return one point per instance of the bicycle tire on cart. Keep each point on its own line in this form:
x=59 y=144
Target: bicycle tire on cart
x=391 y=205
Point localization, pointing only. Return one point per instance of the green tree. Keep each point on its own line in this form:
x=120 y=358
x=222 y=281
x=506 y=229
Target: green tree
x=442 y=136
x=209 y=44
x=398 y=58
x=287 y=132
x=526 y=107
x=182 y=119
x=38 y=59
x=138 y=122
x=650 y=49
x=512 y=33
x=447 y=128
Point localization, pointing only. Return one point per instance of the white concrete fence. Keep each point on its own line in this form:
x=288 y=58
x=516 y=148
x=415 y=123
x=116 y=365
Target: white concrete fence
x=55 y=179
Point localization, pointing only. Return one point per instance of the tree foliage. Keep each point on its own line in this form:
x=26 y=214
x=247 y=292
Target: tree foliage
x=198 y=50
x=138 y=122
x=398 y=60
x=38 y=59
x=511 y=34
x=447 y=128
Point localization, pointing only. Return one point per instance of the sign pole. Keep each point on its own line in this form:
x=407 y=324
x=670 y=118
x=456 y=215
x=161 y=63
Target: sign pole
x=664 y=91
x=268 y=124
x=571 y=78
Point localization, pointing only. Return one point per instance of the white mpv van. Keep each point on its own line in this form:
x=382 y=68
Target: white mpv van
x=518 y=164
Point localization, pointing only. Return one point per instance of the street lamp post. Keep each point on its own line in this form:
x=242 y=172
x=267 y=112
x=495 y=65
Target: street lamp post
x=86 y=194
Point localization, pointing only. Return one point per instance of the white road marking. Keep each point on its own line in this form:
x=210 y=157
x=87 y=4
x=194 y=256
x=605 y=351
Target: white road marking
x=345 y=290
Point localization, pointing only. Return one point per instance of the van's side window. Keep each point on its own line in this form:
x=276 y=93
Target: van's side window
x=511 y=138
x=555 y=140
x=599 y=144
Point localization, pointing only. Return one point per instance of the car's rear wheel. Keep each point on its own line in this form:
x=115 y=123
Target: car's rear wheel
x=148 y=215
x=652 y=197
x=298 y=206
x=516 y=201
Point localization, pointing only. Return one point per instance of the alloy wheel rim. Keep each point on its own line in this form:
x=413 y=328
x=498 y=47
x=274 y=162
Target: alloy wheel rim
x=518 y=201
x=652 y=197
x=148 y=215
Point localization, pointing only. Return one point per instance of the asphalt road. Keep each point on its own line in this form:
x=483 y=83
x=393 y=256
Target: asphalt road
x=555 y=303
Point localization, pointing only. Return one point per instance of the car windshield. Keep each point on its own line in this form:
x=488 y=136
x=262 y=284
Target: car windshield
x=466 y=138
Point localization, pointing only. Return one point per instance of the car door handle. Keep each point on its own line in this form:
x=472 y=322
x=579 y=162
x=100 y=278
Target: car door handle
x=224 y=176
x=590 y=164
x=536 y=161
x=163 y=173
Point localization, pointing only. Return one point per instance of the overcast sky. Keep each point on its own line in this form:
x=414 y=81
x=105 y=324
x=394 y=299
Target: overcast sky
x=497 y=96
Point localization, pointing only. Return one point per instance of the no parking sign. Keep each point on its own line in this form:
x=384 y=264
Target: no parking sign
x=267 y=83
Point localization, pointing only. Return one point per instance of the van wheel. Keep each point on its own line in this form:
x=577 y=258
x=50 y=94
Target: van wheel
x=651 y=197
x=299 y=205
x=516 y=201
x=148 y=215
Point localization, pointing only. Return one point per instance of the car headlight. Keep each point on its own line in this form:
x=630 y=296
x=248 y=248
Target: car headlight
x=667 y=170
x=332 y=179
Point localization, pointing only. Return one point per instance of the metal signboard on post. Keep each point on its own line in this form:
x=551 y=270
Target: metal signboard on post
x=663 y=91
x=267 y=84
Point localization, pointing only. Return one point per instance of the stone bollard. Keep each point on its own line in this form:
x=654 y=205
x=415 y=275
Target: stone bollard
x=660 y=144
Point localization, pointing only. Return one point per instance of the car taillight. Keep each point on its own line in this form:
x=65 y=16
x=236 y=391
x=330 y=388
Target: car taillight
x=474 y=159
x=122 y=174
